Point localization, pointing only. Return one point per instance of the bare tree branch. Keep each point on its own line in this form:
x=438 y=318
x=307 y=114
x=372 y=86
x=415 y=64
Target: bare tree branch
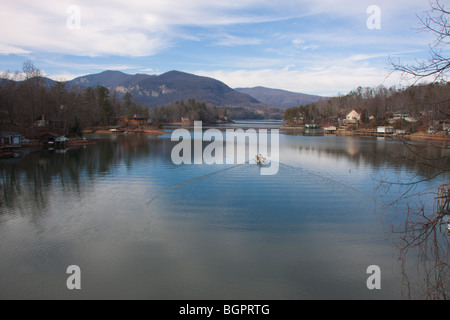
x=436 y=67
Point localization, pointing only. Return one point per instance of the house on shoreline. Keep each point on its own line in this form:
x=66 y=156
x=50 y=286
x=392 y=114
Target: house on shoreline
x=13 y=139
x=354 y=117
x=137 y=120
x=385 y=130
x=43 y=122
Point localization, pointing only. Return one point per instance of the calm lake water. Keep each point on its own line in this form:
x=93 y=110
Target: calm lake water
x=140 y=227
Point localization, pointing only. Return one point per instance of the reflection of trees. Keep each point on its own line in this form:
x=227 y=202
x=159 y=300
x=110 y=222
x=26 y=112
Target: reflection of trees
x=416 y=217
x=380 y=153
x=419 y=234
x=27 y=184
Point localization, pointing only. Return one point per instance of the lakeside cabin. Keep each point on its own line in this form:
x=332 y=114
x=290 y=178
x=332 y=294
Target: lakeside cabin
x=14 y=139
x=446 y=126
x=354 y=117
x=330 y=130
x=385 y=130
x=42 y=122
x=48 y=137
x=137 y=120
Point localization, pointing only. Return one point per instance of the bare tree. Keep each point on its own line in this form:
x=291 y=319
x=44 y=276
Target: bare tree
x=33 y=82
x=436 y=67
x=8 y=97
x=423 y=233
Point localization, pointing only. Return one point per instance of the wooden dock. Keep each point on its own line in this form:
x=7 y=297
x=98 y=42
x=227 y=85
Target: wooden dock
x=10 y=147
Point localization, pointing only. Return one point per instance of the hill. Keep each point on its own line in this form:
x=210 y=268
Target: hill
x=279 y=98
x=159 y=90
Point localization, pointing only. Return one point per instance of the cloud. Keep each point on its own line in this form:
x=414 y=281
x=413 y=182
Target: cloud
x=123 y=28
x=142 y=28
x=243 y=42
x=326 y=81
x=7 y=49
x=228 y=40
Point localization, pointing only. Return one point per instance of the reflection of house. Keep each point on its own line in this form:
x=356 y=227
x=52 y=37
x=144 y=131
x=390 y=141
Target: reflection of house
x=184 y=120
x=11 y=138
x=446 y=126
x=354 y=117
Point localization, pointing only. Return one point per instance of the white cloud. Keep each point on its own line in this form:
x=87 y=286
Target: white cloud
x=321 y=58
x=140 y=28
x=228 y=40
x=327 y=81
x=124 y=28
x=7 y=49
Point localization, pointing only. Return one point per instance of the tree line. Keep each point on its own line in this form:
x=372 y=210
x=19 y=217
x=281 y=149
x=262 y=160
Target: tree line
x=428 y=102
x=190 y=110
x=27 y=96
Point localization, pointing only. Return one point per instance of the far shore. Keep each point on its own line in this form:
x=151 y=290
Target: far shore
x=150 y=130
x=419 y=136
x=291 y=128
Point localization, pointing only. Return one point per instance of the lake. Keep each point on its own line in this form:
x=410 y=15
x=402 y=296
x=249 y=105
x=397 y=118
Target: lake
x=141 y=227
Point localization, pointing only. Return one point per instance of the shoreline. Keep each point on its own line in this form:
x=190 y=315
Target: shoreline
x=426 y=137
x=150 y=130
x=370 y=133
x=291 y=128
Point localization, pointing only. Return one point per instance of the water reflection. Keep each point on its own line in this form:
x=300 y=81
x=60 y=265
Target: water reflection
x=33 y=176
x=122 y=209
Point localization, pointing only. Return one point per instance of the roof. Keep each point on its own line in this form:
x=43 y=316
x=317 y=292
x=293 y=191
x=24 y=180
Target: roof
x=48 y=134
x=138 y=117
x=9 y=134
x=358 y=111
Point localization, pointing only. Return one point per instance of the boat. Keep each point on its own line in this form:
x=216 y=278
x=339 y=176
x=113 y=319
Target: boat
x=260 y=159
x=61 y=139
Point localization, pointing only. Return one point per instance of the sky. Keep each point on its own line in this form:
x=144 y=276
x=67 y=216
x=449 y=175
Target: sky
x=317 y=47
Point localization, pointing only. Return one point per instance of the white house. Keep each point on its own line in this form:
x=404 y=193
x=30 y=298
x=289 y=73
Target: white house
x=446 y=126
x=385 y=130
x=331 y=129
x=11 y=138
x=354 y=117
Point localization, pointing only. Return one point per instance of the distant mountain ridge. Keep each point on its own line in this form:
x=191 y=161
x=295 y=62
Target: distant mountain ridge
x=159 y=90
x=280 y=98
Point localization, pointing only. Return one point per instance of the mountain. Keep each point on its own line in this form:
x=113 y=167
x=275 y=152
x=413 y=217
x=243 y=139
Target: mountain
x=107 y=79
x=279 y=98
x=159 y=90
